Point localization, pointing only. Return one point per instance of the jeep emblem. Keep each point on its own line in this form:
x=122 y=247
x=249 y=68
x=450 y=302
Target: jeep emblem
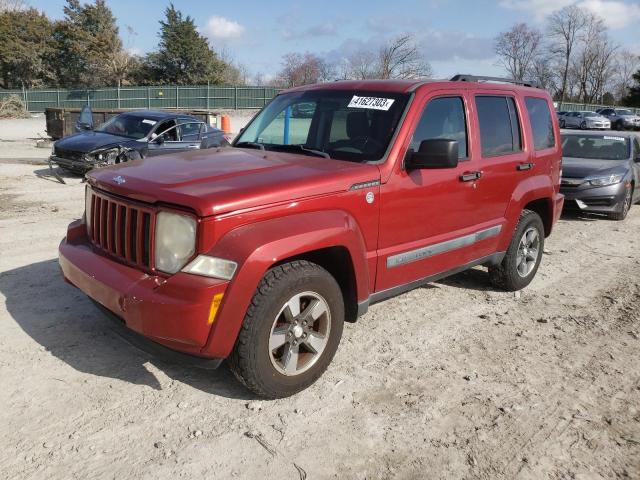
x=369 y=197
x=119 y=179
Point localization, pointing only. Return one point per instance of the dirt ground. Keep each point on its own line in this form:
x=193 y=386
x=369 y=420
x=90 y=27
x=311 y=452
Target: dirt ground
x=455 y=380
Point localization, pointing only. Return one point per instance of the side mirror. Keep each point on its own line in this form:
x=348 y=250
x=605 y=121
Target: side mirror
x=434 y=153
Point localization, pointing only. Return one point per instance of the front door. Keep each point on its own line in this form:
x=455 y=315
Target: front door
x=167 y=138
x=429 y=220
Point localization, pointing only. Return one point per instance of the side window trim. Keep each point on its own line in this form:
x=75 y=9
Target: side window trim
x=465 y=113
x=516 y=125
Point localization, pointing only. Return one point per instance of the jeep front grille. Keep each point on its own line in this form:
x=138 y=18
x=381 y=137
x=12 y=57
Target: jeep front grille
x=122 y=230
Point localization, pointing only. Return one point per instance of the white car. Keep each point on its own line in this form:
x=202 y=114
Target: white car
x=585 y=120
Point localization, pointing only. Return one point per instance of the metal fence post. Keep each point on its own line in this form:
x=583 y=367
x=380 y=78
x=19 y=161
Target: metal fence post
x=57 y=97
x=177 y=93
x=148 y=98
x=235 y=90
x=207 y=94
x=118 y=96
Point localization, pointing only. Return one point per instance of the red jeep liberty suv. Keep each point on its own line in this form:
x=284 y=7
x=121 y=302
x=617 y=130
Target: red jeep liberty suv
x=334 y=197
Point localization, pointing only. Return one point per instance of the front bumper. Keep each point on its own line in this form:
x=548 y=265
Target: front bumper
x=174 y=312
x=599 y=125
x=595 y=199
x=79 y=166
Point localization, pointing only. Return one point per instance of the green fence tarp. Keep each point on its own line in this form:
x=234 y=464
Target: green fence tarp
x=153 y=97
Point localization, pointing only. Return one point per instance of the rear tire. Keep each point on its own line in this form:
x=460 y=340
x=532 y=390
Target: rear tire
x=562 y=123
x=297 y=309
x=625 y=207
x=523 y=256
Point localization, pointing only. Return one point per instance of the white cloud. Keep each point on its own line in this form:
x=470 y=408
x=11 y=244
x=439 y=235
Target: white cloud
x=222 y=28
x=616 y=13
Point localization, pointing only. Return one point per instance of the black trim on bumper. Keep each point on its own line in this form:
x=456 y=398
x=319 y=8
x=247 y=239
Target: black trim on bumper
x=155 y=349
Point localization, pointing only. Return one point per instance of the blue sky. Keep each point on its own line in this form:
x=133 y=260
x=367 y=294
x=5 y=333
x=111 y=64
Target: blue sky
x=455 y=36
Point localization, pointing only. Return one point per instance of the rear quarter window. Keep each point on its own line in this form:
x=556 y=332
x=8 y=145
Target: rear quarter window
x=541 y=123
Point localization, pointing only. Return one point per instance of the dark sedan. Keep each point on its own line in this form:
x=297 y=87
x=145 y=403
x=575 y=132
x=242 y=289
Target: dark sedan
x=132 y=135
x=601 y=172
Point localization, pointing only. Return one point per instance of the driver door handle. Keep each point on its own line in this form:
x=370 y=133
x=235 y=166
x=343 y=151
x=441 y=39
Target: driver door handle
x=525 y=166
x=470 y=176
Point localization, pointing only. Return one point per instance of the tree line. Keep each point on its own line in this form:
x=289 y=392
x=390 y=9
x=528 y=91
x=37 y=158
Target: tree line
x=573 y=57
x=84 y=49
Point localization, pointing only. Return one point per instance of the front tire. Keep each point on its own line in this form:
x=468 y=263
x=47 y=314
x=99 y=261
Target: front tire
x=291 y=330
x=583 y=126
x=523 y=256
x=625 y=207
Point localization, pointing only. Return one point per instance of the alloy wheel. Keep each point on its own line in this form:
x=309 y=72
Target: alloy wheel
x=300 y=333
x=528 y=251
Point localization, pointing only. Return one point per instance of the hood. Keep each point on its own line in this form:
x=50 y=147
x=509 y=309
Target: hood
x=583 y=167
x=86 y=142
x=230 y=179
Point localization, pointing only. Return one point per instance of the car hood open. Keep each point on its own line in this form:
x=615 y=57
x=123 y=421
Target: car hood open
x=230 y=179
x=86 y=142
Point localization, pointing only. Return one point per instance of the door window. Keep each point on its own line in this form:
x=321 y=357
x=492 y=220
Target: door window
x=190 y=130
x=541 y=123
x=443 y=118
x=499 y=125
x=169 y=130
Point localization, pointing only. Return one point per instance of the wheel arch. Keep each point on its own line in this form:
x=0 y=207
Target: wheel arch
x=332 y=239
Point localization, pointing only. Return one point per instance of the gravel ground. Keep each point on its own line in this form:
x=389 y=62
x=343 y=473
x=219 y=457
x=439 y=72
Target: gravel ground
x=455 y=380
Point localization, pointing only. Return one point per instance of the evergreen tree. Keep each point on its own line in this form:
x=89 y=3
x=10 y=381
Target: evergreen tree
x=184 y=56
x=633 y=98
x=25 y=46
x=85 y=42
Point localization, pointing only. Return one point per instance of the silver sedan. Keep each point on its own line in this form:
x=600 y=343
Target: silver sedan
x=585 y=120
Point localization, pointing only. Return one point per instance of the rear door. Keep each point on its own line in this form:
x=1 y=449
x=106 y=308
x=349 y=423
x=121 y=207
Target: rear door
x=503 y=157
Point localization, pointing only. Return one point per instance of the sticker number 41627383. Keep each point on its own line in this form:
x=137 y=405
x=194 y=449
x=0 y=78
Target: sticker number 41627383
x=374 y=103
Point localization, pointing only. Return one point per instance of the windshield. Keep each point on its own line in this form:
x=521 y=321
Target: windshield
x=345 y=125
x=127 y=125
x=596 y=147
x=590 y=114
x=623 y=112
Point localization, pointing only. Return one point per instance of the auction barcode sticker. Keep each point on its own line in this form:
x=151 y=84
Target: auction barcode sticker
x=615 y=139
x=374 y=103
x=150 y=122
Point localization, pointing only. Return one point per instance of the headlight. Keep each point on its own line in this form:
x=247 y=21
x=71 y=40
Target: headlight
x=175 y=241
x=108 y=156
x=87 y=208
x=604 y=181
x=212 y=267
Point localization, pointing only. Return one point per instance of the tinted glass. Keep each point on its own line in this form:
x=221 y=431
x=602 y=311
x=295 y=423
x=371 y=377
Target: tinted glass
x=443 y=118
x=346 y=125
x=624 y=112
x=499 y=126
x=599 y=147
x=541 y=123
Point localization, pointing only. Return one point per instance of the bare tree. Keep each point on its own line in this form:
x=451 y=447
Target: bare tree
x=303 y=69
x=118 y=65
x=626 y=64
x=517 y=50
x=565 y=28
x=361 y=65
x=401 y=58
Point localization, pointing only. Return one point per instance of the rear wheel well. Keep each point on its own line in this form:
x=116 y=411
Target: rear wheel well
x=543 y=208
x=337 y=261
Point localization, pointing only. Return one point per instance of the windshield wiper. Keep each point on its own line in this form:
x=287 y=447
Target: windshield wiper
x=300 y=148
x=256 y=145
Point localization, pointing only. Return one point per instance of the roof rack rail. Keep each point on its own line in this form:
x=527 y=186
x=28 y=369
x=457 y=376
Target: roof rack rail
x=480 y=78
